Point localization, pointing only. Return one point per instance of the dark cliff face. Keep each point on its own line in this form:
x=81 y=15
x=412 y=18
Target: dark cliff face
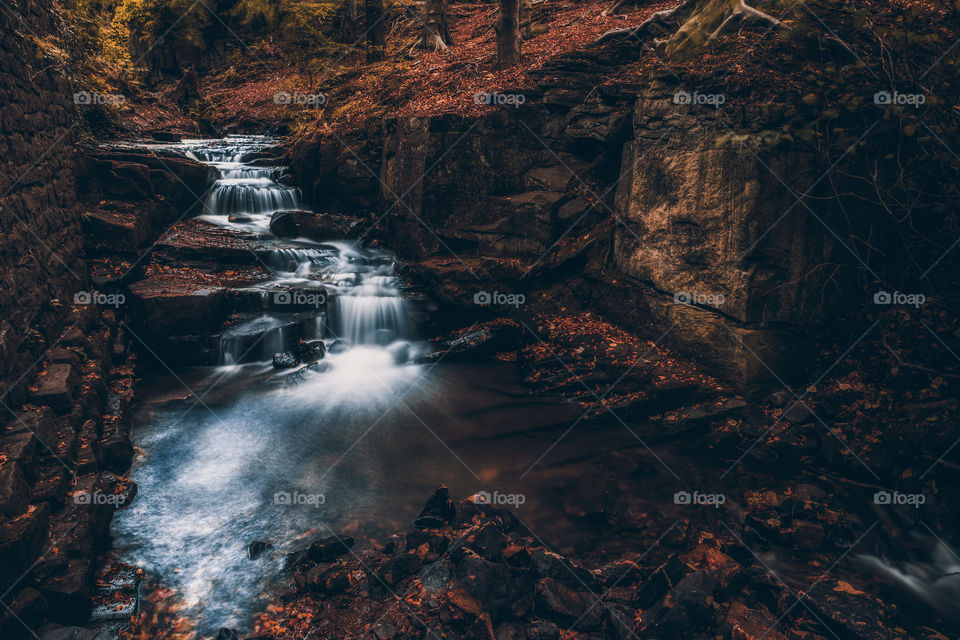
x=627 y=200
x=40 y=237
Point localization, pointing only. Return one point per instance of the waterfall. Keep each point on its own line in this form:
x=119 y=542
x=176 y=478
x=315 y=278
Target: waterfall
x=366 y=319
x=365 y=308
x=250 y=195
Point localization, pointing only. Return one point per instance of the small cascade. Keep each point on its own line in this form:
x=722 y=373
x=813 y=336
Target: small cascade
x=250 y=196
x=371 y=312
x=256 y=340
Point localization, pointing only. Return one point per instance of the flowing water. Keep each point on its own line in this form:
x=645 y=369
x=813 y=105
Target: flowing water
x=354 y=445
x=242 y=452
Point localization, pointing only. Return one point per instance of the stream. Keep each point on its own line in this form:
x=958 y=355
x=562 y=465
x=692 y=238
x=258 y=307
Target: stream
x=243 y=452
x=352 y=445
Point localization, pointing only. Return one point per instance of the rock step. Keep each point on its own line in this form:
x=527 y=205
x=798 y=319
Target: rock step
x=56 y=496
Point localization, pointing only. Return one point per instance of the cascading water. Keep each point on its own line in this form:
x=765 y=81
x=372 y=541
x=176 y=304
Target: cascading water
x=208 y=490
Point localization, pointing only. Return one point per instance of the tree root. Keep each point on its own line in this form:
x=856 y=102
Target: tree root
x=691 y=26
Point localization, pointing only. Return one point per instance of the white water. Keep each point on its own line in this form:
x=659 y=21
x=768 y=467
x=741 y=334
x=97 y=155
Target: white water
x=212 y=469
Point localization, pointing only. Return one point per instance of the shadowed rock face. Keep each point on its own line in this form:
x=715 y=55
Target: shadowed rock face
x=41 y=238
x=673 y=227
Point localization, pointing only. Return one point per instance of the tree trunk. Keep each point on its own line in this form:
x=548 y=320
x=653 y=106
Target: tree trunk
x=436 y=26
x=376 y=29
x=508 y=33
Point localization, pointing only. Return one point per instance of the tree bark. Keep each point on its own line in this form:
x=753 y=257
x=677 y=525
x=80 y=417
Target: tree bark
x=376 y=29
x=436 y=26
x=508 y=34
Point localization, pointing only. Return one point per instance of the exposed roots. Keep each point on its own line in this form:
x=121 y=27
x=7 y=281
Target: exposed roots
x=683 y=32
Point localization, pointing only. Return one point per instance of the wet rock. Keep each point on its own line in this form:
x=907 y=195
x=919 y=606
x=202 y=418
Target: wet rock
x=329 y=581
x=227 y=634
x=484 y=340
x=434 y=541
x=256 y=548
x=21 y=540
x=14 y=490
x=661 y=581
x=502 y=590
x=399 y=567
x=547 y=564
x=338 y=346
x=689 y=606
x=750 y=623
x=69 y=593
x=857 y=613
x=27 y=611
x=575 y=607
x=285 y=360
x=320 y=367
x=315 y=226
x=311 y=351
x=400 y=352
x=55 y=387
x=23 y=449
x=488 y=541
x=384 y=631
x=329 y=549
x=438 y=512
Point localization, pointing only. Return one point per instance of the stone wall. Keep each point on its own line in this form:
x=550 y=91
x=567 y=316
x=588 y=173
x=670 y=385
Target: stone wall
x=40 y=236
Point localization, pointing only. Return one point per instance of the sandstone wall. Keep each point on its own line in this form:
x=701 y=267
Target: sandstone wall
x=40 y=236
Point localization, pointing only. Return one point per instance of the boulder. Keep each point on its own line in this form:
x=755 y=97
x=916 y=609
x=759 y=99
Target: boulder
x=55 y=387
x=315 y=226
x=285 y=360
x=329 y=549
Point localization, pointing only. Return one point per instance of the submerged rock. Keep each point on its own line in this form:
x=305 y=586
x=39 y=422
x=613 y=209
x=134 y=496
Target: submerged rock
x=256 y=548
x=338 y=346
